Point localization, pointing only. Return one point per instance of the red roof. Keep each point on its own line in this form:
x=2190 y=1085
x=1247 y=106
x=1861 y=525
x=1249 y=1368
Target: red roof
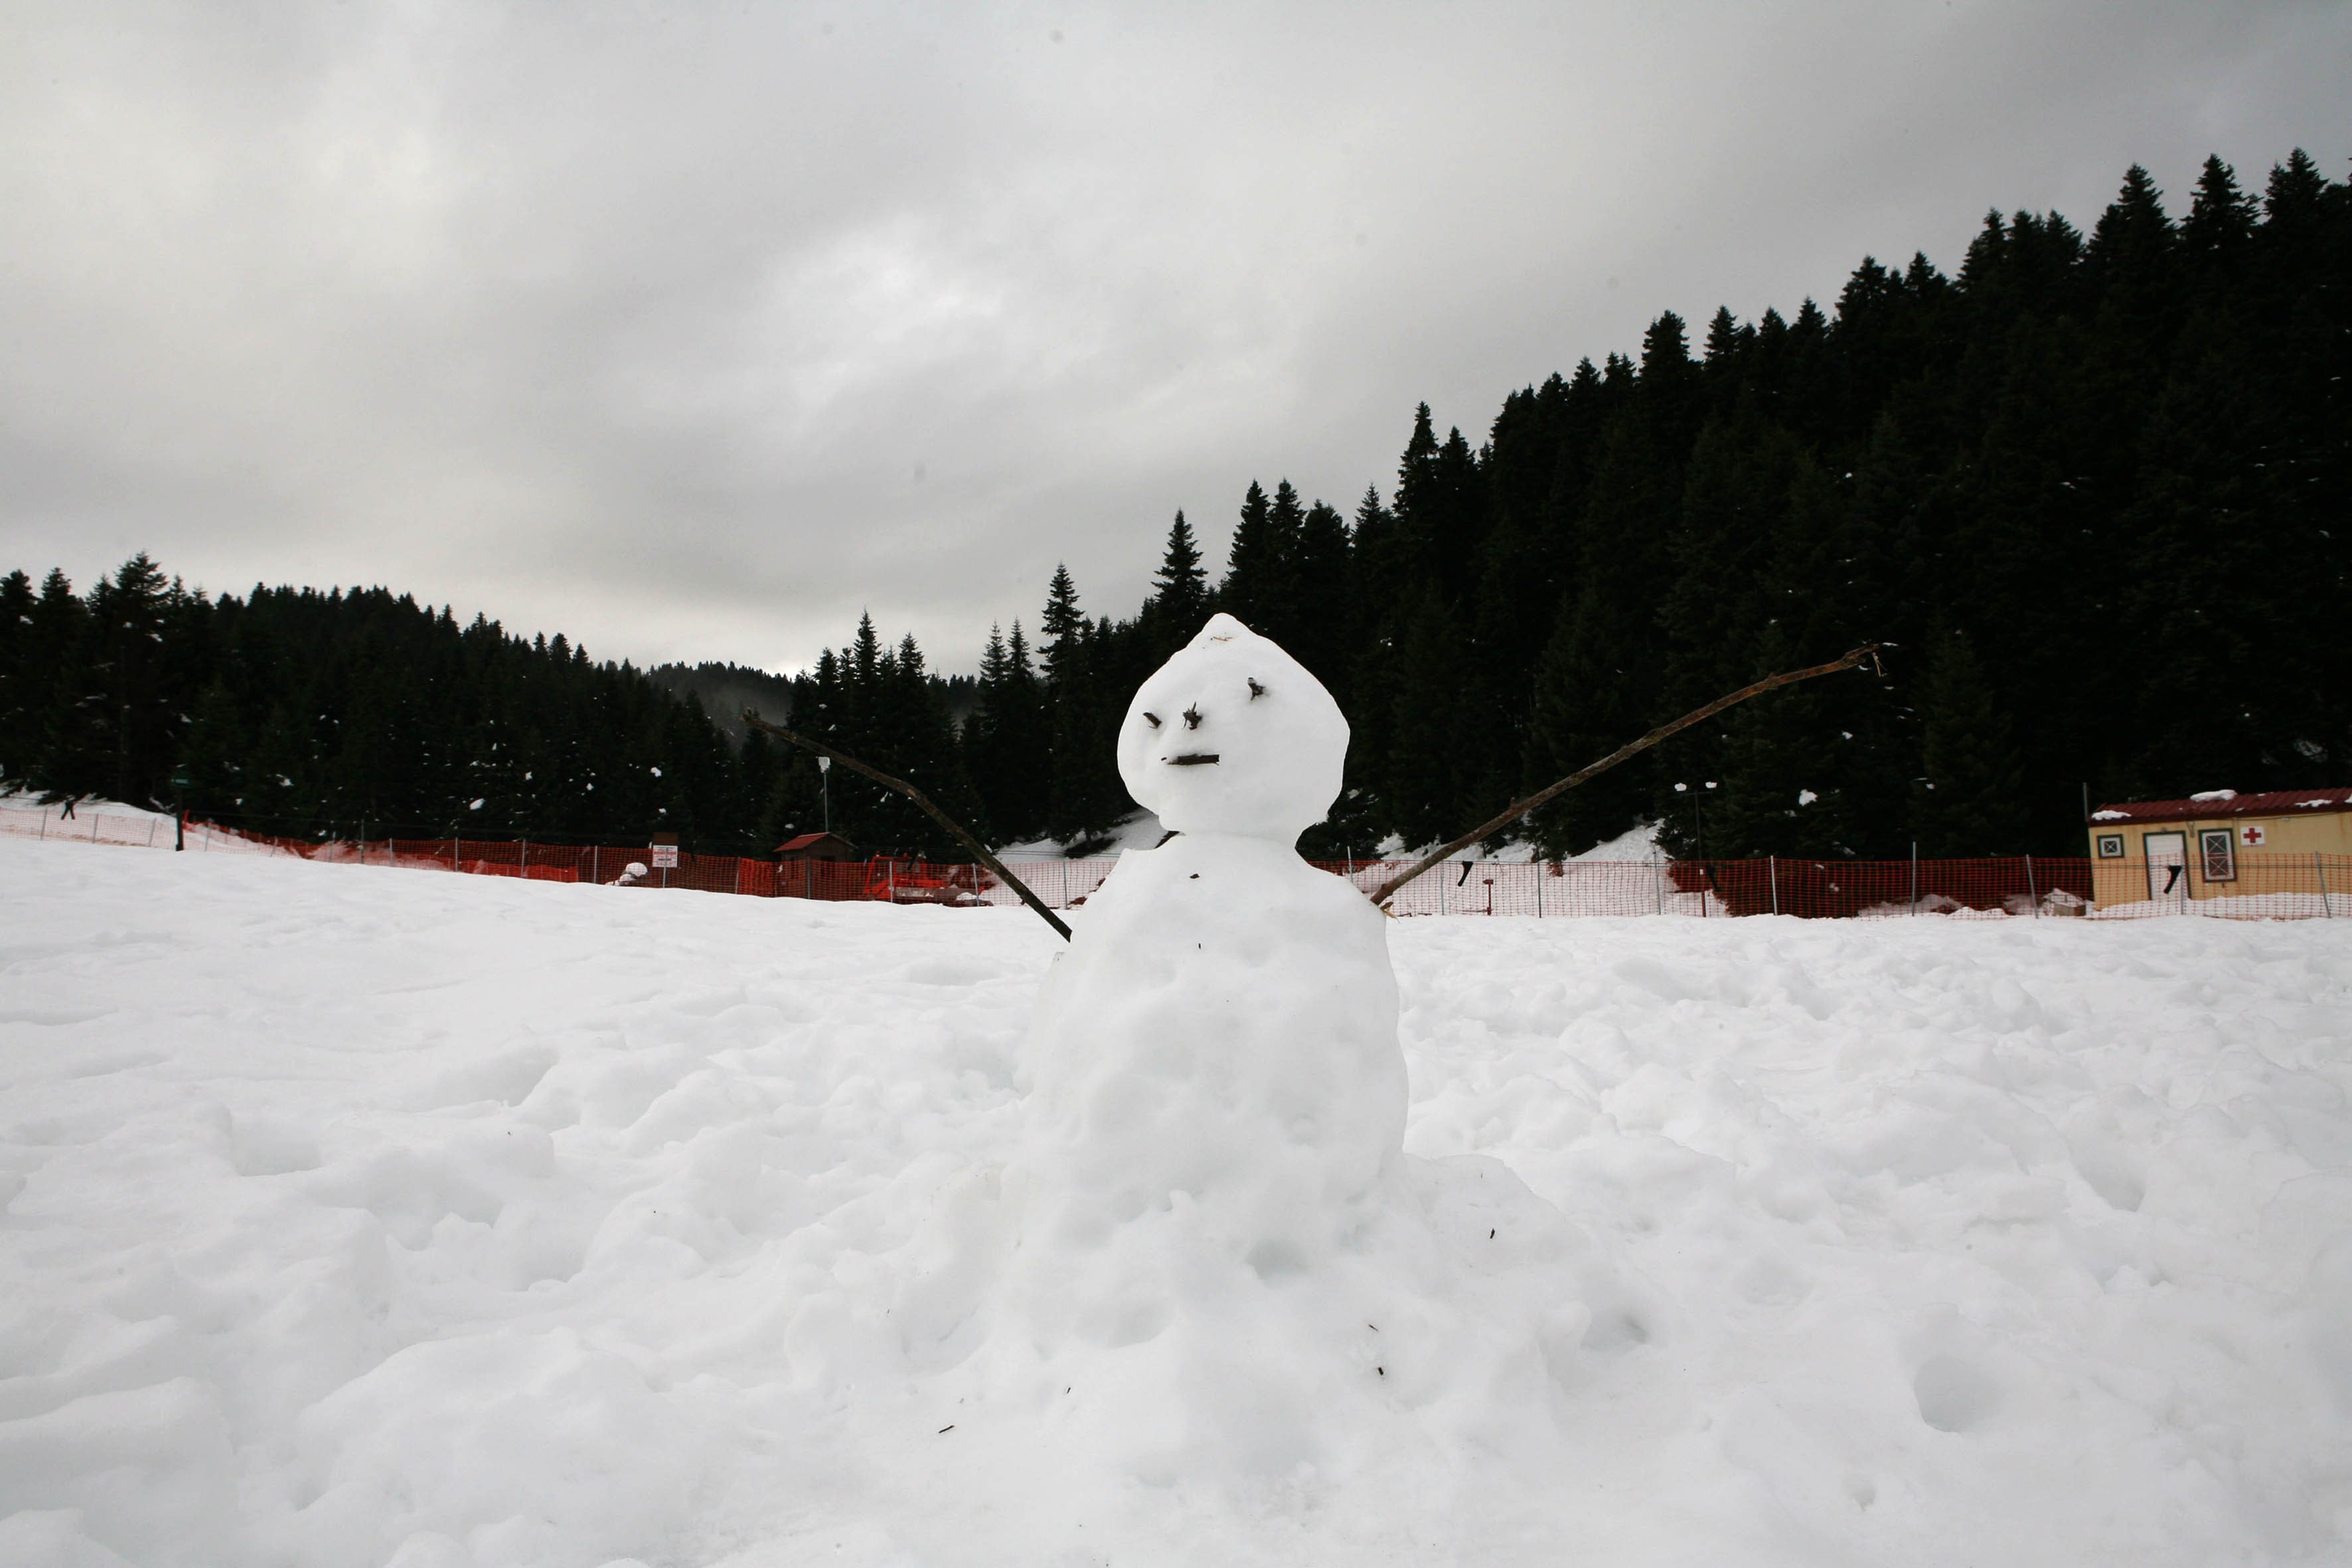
x=806 y=841
x=2277 y=803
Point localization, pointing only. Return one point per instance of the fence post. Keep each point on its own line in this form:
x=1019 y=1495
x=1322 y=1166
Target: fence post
x=362 y=840
x=1658 y=880
x=1772 y=871
x=151 y=830
x=453 y=851
x=2031 y=891
x=1915 y=875
x=45 y=825
x=739 y=873
x=2326 y=902
x=526 y=859
x=595 y=863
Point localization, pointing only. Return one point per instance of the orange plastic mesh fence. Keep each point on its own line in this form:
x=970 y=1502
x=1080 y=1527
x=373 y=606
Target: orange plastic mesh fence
x=2249 y=886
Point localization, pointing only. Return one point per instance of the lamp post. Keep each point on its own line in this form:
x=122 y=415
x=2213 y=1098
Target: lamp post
x=180 y=782
x=824 y=784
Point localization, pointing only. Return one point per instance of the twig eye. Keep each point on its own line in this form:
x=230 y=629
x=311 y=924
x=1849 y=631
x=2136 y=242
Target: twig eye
x=1257 y=690
x=1192 y=717
x=1152 y=719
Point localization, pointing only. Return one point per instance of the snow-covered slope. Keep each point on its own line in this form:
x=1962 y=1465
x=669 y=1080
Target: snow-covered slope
x=359 y=1216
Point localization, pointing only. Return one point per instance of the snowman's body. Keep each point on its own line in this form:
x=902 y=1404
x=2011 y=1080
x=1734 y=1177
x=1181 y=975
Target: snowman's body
x=1225 y=1028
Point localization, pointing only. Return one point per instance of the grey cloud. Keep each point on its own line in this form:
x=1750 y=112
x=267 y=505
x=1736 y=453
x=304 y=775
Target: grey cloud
x=693 y=332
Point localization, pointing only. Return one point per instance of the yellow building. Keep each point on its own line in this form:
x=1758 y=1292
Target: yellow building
x=2224 y=844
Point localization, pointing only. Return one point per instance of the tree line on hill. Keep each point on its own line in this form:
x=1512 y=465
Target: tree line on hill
x=310 y=714
x=2091 y=489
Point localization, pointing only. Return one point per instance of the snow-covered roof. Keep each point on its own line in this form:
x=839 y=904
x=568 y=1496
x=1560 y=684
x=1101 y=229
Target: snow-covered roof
x=2224 y=803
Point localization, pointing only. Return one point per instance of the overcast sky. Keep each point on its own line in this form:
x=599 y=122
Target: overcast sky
x=694 y=329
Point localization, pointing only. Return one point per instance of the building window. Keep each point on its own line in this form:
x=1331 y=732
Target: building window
x=2219 y=854
x=2111 y=846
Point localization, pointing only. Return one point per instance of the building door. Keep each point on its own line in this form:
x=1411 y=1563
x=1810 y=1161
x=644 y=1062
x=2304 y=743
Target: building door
x=2168 y=866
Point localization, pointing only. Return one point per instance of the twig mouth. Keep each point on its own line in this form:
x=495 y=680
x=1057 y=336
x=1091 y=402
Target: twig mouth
x=1192 y=758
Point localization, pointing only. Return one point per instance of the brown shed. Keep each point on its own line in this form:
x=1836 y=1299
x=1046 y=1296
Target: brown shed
x=817 y=847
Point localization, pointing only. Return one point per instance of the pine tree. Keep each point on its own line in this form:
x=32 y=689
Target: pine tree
x=2297 y=194
x=129 y=712
x=1724 y=339
x=1255 y=566
x=1286 y=519
x=1085 y=796
x=1028 y=740
x=56 y=670
x=21 y=702
x=2222 y=217
x=1180 y=596
x=1429 y=771
x=1323 y=609
x=1064 y=628
x=1971 y=798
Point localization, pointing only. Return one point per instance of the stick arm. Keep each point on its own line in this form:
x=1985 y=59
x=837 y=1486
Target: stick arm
x=978 y=850
x=1867 y=653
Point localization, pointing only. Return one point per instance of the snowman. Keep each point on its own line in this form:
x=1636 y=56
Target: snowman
x=1221 y=1260
x=1223 y=1031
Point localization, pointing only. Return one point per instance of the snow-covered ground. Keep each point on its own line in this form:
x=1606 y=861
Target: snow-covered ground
x=358 y=1217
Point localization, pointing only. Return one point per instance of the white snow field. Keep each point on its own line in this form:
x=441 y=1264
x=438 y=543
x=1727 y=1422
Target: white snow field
x=359 y=1216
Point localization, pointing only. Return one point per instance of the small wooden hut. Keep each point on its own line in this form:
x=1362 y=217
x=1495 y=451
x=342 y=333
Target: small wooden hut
x=2203 y=847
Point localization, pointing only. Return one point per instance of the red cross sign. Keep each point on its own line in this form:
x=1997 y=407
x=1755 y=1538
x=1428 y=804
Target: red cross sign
x=2250 y=836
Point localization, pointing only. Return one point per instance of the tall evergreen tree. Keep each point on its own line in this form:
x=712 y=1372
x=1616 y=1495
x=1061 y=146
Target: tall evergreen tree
x=22 y=705
x=1257 y=565
x=1322 y=608
x=1971 y=798
x=1180 y=594
x=1086 y=798
x=2222 y=217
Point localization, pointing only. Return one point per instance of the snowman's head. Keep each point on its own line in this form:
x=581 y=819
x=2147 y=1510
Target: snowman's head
x=1232 y=735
